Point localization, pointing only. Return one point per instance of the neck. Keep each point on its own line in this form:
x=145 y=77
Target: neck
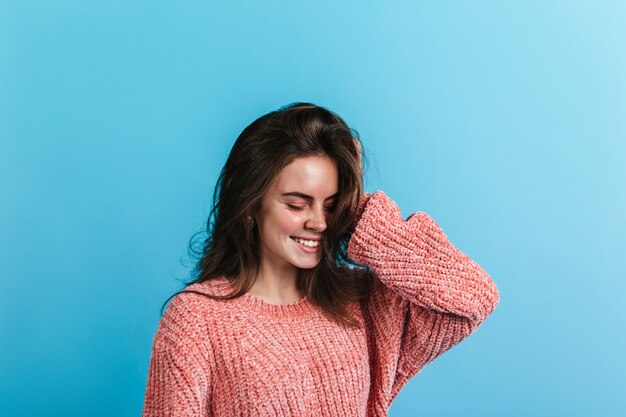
x=277 y=287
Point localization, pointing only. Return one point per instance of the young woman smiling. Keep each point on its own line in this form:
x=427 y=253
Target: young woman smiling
x=310 y=297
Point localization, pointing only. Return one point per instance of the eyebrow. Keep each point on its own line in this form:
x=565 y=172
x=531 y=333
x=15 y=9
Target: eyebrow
x=305 y=196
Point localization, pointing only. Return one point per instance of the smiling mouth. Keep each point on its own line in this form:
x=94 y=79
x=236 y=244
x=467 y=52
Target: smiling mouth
x=308 y=245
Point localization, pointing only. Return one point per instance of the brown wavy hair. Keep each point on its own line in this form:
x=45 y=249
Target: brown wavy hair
x=261 y=151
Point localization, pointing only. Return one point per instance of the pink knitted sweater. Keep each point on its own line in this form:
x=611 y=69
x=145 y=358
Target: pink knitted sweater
x=246 y=357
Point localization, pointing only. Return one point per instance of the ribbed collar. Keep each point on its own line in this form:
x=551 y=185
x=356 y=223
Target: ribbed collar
x=251 y=303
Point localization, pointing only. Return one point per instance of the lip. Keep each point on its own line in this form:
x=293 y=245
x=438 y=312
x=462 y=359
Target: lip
x=306 y=248
x=316 y=239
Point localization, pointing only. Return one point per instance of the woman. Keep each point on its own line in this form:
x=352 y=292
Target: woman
x=311 y=297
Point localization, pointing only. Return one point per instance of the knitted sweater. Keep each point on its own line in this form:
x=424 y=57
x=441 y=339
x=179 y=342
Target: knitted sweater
x=247 y=357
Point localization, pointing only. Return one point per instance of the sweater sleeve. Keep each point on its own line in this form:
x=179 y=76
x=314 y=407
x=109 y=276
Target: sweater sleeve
x=179 y=380
x=427 y=296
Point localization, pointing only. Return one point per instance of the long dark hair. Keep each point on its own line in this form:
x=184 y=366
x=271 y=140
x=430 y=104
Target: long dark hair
x=262 y=150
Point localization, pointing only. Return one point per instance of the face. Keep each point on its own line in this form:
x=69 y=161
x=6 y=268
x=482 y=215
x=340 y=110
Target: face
x=297 y=205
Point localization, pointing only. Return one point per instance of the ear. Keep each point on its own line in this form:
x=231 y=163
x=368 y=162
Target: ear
x=251 y=216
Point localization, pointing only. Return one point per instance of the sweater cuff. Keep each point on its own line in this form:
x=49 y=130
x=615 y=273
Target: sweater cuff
x=360 y=209
x=379 y=222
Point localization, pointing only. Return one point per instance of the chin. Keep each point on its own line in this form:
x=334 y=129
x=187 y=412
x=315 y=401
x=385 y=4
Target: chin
x=307 y=265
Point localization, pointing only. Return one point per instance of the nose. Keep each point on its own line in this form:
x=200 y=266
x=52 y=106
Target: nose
x=317 y=220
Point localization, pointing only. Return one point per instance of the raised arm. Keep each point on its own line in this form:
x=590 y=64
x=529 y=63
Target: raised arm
x=428 y=297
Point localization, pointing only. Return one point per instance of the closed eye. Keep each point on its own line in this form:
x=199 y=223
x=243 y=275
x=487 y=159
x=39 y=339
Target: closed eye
x=330 y=209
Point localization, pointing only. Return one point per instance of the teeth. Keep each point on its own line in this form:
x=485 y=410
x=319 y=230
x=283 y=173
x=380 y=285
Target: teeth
x=309 y=243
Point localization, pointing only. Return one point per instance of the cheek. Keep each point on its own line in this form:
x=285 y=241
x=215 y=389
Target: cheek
x=290 y=222
x=285 y=223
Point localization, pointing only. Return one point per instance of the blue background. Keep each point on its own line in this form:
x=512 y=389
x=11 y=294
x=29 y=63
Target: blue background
x=505 y=121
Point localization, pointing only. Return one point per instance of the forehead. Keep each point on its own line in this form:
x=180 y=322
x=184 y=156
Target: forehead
x=313 y=175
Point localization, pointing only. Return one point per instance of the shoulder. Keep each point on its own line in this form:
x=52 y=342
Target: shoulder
x=190 y=314
x=195 y=297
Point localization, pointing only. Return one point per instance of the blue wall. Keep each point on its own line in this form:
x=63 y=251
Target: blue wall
x=505 y=121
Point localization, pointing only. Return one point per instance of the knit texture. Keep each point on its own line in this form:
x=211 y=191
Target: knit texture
x=246 y=357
